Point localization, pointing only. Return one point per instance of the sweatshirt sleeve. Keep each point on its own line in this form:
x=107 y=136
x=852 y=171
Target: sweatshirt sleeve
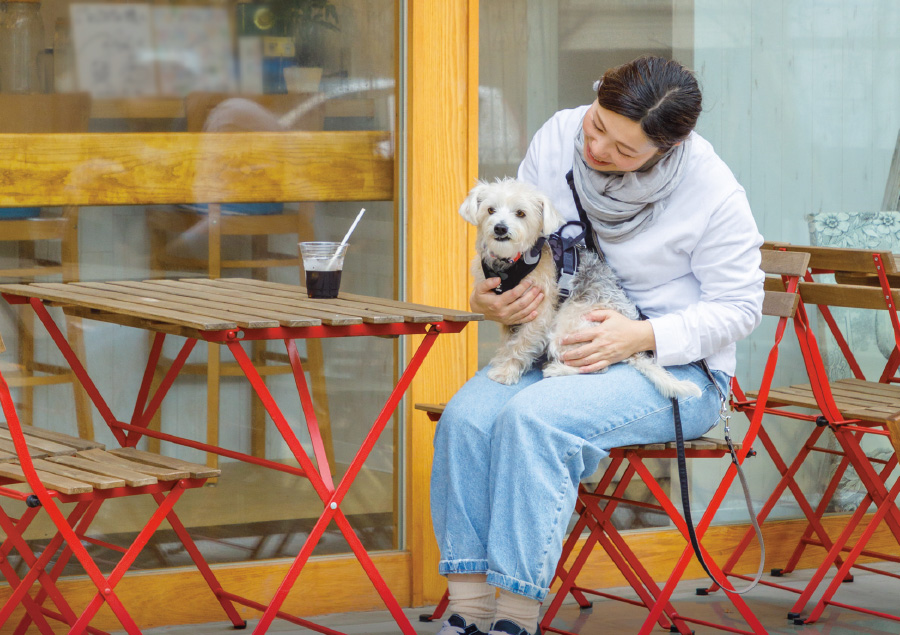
x=726 y=263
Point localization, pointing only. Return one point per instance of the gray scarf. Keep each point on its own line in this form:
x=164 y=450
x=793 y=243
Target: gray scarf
x=620 y=205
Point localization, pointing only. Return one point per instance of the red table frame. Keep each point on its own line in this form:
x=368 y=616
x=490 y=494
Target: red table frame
x=319 y=475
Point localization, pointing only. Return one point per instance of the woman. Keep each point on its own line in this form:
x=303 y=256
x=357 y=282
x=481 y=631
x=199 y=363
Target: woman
x=676 y=227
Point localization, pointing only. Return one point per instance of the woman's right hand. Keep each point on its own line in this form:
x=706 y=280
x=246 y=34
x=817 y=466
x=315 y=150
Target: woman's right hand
x=516 y=306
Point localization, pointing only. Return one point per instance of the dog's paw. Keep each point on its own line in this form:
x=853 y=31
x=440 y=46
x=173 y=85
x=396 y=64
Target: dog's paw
x=558 y=369
x=507 y=374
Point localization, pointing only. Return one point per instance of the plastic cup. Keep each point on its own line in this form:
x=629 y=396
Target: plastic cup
x=323 y=263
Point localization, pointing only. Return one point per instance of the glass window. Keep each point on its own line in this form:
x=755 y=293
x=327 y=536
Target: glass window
x=296 y=67
x=798 y=100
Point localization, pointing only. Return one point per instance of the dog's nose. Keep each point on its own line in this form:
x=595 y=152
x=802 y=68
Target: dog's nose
x=500 y=229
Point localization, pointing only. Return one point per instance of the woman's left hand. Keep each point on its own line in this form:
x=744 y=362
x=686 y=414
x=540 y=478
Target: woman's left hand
x=612 y=339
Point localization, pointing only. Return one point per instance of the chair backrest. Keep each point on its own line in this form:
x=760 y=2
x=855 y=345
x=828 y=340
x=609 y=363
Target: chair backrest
x=858 y=276
x=33 y=114
x=222 y=112
x=779 y=302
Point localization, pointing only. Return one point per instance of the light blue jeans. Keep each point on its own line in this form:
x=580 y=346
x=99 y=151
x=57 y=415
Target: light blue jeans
x=508 y=461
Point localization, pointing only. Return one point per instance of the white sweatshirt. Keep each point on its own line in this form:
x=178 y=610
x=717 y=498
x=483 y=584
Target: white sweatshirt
x=695 y=271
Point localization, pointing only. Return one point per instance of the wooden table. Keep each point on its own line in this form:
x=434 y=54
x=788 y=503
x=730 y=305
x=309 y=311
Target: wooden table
x=229 y=311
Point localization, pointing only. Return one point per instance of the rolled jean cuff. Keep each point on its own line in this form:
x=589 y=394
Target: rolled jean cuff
x=446 y=567
x=518 y=587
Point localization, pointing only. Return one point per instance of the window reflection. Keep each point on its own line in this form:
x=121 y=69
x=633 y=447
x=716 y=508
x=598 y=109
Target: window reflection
x=225 y=68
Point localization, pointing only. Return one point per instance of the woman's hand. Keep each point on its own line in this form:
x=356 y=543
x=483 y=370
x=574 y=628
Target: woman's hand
x=612 y=339
x=516 y=306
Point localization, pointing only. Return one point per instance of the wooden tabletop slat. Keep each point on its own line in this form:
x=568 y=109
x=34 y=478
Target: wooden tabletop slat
x=191 y=305
x=402 y=308
x=406 y=313
x=169 y=303
x=175 y=302
x=296 y=299
x=223 y=305
x=68 y=295
x=451 y=315
x=287 y=301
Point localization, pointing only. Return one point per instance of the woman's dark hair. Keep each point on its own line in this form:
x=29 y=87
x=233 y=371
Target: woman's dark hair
x=660 y=94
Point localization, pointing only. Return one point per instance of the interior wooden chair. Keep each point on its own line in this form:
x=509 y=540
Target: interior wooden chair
x=34 y=232
x=221 y=229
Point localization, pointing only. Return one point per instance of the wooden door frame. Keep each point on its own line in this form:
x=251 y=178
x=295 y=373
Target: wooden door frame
x=442 y=165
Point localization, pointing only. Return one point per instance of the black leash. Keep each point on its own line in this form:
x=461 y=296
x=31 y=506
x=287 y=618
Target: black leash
x=685 y=495
x=679 y=438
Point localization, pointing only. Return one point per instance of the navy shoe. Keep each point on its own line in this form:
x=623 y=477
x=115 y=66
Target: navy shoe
x=457 y=626
x=506 y=627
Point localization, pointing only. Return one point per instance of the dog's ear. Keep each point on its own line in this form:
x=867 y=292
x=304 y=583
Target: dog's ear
x=553 y=220
x=469 y=208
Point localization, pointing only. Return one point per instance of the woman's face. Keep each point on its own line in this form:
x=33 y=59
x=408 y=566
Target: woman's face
x=613 y=142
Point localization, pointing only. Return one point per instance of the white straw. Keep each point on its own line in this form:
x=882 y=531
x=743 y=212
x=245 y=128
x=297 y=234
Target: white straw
x=353 y=226
x=347 y=236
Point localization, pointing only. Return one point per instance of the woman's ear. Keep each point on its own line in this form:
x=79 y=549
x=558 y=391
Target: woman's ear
x=469 y=208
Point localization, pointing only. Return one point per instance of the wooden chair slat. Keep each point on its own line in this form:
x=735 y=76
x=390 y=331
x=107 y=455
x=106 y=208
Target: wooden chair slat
x=7 y=446
x=42 y=445
x=59 y=437
x=107 y=458
x=840 y=258
x=196 y=470
x=780 y=303
x=132 y=479
x=97 y=481
x=788 y=263
x=846 y=295
x=51 y=481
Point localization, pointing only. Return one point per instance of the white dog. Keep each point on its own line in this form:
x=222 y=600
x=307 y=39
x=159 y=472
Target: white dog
x=513 y=220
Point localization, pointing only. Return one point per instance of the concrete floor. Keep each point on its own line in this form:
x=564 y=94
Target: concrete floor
x=615 y=618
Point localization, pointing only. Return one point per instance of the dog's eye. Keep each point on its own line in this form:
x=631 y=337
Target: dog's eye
x=491 y=210
x=520 y=213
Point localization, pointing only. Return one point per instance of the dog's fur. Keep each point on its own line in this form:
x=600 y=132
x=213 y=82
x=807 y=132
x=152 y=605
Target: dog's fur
x=511 y=216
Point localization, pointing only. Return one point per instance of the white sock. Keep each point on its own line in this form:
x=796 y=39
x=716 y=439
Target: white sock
x=472 y=601
x=519 y=609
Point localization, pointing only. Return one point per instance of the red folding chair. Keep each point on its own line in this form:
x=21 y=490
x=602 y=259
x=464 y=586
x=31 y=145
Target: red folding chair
x=61 y=469
x=597 y=519
x=849 y=409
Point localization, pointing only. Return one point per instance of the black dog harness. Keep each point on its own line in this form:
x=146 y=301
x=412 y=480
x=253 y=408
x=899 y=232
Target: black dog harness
x=512 y=271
